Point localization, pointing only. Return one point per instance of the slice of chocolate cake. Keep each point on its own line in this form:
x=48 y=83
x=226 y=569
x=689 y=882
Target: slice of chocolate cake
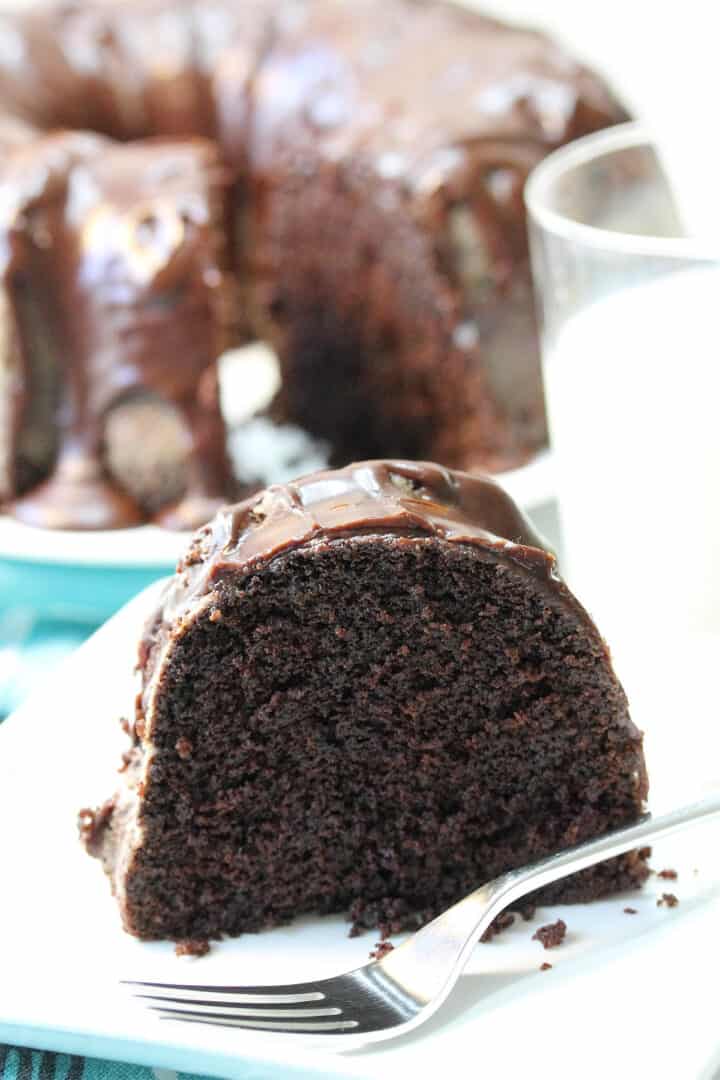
x=367 y=691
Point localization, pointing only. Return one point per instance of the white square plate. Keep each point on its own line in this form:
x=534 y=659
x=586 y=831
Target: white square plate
x=627 y=994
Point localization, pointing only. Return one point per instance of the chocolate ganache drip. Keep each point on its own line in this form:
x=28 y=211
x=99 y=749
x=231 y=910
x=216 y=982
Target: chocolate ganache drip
x=135 y=286
x=402 y=498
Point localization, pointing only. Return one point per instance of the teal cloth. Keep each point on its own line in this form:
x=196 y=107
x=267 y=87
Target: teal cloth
x=46 y=611
x=30 y=649
x=19 y=1064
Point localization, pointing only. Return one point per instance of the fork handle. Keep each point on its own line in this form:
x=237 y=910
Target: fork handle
x=431 y=960
x=518 y=883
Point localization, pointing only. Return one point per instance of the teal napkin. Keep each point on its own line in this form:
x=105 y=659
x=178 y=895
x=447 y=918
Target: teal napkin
x=30 y=649
x=20 y=1064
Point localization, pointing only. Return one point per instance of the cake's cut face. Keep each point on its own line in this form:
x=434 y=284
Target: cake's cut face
x=136 y=293
x=368 y=692
x=362 y=214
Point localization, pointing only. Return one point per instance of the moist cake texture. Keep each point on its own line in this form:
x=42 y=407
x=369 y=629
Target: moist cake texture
x=364 y=692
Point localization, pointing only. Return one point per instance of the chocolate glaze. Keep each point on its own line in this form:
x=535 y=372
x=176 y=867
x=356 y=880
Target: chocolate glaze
x=15 y=132
x=37 y=81
x=343 y=89
x=32 y=192
x=136 y=270
x=129 y=70
x=96 y=66
x=344 y=81
x=345 y=77
x=398 y=496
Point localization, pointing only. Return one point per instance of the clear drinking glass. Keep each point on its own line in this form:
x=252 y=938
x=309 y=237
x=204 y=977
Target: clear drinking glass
x=630 y=318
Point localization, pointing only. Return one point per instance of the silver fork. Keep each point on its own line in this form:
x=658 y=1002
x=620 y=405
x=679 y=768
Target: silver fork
x=392 y=995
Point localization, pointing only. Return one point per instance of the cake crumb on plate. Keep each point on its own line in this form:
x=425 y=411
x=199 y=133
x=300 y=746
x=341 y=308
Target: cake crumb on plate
x=551 y=935
x=502 y=922
x=192 y=948
x=382 y=948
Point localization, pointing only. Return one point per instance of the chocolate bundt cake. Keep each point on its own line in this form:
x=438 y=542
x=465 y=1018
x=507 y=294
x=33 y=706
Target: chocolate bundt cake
x=360 y=211
x=367 y=692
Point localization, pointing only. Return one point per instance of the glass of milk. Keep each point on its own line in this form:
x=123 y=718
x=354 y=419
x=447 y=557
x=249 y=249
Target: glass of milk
x=630 y=317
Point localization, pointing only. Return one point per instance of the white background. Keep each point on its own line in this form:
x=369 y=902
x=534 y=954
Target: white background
x=658 y=55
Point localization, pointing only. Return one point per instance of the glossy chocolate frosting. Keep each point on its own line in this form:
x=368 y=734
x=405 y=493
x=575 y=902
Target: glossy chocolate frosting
x=129 y=70
x=33 y=183
x=399 y=498
x=126 y=70
x=453 y=105
x=416 y=87
x=136 y=289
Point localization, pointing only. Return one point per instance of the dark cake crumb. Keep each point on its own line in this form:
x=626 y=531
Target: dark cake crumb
x=184 y=748
x=125 y=758
x=504 y=920
x=192 y=948
x=527 y=911
x=126 y=726
x=390 y=915
x=668 y=875
x=545 y=966
x=630 y=910
x=92 y=825
x=382 y=948
x=551 y=935
x=668 y=899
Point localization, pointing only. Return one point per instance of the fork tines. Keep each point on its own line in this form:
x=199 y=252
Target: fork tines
x=292 y=1008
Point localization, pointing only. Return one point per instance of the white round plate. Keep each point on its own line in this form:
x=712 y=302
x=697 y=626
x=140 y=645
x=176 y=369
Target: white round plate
x=150 y=546
x=145 y=546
